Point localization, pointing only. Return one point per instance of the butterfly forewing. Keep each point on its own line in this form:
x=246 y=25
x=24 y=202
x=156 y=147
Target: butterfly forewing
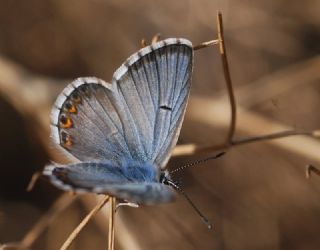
x=154 y=85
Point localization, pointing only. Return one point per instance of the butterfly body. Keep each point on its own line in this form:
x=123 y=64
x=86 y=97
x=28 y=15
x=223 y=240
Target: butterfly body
x=122 y=133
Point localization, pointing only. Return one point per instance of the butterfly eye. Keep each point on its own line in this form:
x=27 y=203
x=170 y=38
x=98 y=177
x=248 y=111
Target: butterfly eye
x=163 y=179
x=65 y=122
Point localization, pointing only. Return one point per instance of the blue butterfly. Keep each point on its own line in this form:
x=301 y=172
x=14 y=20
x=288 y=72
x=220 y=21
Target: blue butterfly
x=122 y=134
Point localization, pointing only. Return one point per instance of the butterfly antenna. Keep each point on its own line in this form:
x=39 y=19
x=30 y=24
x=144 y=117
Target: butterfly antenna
x=197 y=162
x=204 y=219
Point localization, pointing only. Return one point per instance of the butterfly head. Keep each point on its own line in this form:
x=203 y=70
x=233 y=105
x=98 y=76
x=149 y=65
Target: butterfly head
x=166 y=179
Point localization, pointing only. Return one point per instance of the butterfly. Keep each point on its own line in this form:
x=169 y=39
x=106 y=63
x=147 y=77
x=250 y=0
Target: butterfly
x=122 y=133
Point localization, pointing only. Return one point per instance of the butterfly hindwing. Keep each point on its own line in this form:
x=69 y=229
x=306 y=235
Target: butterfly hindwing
x=147 y=193
x=85 y=122
x=131 y=181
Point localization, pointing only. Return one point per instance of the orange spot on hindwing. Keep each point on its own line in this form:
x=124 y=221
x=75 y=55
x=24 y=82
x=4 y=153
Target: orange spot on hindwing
x=70 y=107
x=66 y=122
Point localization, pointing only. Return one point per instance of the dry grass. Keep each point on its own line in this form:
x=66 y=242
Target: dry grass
x=256 y=195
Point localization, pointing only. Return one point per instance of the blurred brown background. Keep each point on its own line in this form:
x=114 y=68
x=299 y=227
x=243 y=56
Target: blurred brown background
x=256 y=195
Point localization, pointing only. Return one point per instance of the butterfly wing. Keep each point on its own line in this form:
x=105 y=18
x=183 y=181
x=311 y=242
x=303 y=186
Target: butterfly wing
x=147 y=193
x=132 y=183
x=137 y=117
x=153 y=87
x=86 y=124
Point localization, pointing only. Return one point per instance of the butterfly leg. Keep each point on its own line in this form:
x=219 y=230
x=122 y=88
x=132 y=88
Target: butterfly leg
x=156 y=38
x=143 y=43
x=129 y=204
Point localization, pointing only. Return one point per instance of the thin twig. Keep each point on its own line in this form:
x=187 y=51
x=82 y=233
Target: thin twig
x=84 y=222
x=12 y=245
x=206 y=44
x=60 y=205
x=272 y=136
x=227 y=77
x=111 y=223
x=128 y=239
x=193 y=149
x=190 y=149
x=33 y=180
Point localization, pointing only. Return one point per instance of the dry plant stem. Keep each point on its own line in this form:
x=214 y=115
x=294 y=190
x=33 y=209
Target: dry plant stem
x=193 y=149
x=310 y=169
x=60 y=205
x=227 y=77
x=190 y=149
x=206 y=44
x=111 y=223
x=248 y=140
x=84 y=222
x=11 y=246
x=33 y=180
x=272 y=136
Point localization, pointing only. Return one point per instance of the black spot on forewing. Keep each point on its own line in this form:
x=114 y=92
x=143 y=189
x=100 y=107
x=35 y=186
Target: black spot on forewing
x=164 y=107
